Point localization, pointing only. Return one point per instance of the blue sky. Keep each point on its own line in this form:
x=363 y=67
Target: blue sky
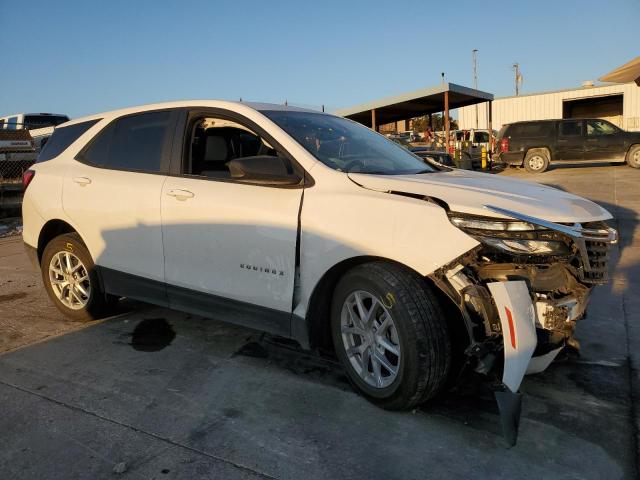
x=82 y=57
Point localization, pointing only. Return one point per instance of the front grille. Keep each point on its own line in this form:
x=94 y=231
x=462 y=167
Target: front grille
x=594 y=244
x=598 y=262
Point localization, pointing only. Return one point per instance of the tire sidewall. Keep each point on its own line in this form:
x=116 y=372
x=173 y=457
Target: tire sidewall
x=536 y=153
x=72 y=243
x=631 y=154
x=351 y=282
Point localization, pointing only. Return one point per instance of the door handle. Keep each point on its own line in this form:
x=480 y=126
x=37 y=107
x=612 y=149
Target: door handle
x=180 y=194
x=82 y=181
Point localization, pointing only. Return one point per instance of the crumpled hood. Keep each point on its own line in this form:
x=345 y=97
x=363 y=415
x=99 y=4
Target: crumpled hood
x=468 y=192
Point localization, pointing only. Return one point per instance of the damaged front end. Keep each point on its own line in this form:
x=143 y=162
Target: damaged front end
x=521 y=292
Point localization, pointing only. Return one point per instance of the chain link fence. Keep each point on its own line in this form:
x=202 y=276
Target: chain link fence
x=18 y=151
x=12 y=168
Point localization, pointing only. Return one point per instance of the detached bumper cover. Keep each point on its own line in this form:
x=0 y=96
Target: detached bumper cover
x=518 y=320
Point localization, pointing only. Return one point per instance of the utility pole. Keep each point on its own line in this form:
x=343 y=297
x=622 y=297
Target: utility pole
x=474 y=58
x=518 y=77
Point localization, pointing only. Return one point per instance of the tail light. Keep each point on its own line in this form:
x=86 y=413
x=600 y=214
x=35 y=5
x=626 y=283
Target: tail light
x=27 y=176
x=504 y=144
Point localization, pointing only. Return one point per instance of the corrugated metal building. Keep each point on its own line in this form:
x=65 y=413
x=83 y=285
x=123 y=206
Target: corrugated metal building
x=620 y=104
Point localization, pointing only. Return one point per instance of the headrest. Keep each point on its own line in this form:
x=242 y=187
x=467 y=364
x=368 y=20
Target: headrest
x=215 y=149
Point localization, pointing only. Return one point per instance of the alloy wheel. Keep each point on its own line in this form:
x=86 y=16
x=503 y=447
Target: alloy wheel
x=370 y=339
x=69 y=280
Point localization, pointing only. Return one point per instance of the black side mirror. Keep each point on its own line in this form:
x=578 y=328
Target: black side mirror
x=264 y=169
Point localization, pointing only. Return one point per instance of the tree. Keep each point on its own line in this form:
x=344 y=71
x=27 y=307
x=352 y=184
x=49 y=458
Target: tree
x=420 y=124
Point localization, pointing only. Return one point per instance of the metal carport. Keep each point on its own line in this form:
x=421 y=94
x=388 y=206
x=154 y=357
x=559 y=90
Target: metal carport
x=426 y=101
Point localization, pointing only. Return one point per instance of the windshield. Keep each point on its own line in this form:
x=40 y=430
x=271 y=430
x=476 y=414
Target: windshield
x=481 y=137
x=41 y=121
x=347 y=146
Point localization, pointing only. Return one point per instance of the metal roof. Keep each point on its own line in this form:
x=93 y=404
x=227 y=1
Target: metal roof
x=629 y=72
x=414 y=104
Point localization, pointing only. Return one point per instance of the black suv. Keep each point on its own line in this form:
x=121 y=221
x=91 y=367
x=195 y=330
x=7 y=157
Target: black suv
x=538 y=143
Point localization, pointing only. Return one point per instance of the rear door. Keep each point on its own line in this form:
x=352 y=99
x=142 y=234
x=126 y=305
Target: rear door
x=570 y=141
x=112 y=194
x=604 y=141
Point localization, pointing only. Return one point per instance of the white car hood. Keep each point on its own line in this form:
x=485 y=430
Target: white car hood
x=468 y=192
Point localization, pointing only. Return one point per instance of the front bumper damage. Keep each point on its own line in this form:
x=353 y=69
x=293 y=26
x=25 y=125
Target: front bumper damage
x=520 y=312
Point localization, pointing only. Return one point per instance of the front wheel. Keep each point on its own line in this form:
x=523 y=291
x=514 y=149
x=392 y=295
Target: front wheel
x=633 y=157
x=71 y=280
x=390 y=334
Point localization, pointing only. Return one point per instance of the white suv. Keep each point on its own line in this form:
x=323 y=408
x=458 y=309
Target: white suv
x=313 y=227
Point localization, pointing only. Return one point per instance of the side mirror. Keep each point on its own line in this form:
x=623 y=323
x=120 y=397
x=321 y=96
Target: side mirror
x=263 y=169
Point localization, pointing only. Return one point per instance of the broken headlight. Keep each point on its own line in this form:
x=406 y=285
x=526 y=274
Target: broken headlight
x=513 y=236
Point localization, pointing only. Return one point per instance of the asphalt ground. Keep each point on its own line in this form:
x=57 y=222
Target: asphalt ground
x=154 y=393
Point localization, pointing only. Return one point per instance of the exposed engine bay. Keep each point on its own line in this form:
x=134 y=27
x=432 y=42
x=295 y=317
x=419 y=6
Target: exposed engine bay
x=554 y=265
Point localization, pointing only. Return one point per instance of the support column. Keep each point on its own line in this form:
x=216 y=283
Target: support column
x=374 y=125
x=490 y=113
x=446 y=119
x=406 y=125
x=490 y=126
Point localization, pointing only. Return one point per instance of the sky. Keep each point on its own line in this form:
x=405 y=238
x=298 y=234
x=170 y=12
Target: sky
x=83 y=57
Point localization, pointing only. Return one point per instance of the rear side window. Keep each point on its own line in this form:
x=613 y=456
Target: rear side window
x=135 y=142
x=61 y=139
x=571 y=129
x=530 y=130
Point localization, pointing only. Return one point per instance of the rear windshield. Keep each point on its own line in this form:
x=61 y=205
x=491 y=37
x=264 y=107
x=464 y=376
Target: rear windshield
x=527 y=130
x=61 y=139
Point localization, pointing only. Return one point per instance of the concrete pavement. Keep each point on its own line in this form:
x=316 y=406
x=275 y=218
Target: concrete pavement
x=159 y=394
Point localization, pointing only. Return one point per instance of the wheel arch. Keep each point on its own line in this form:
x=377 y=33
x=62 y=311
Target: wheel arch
x=49 y=231
x=631 y=146
x=318 y=316
x=539 y=147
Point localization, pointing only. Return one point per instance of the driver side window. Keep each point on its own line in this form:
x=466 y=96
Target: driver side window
x=599 y=127
x=212 y=142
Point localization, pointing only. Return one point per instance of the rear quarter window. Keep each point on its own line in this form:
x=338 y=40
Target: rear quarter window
x=531 y=130
x=62 y=138
x=132 y=143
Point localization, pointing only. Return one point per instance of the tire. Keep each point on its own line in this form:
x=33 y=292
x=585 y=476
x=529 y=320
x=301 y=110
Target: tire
x=633 y=156
x=69 y=299
x=536 y=160
x=418 y=330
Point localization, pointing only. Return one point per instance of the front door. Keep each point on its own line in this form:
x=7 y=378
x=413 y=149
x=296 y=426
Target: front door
x=604 y=141
x=229 y=247
x=570 y=140
x=112 y=193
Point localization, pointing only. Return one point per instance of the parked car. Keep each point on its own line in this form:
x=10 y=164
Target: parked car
x=31 y=121
x=429 y=154
x=314 y=227
x=537 y=144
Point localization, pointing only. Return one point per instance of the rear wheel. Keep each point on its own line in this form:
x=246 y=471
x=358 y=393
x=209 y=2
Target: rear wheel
x=70 y=278
x=390 y=334
x=633 y=156
x=536 y=160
